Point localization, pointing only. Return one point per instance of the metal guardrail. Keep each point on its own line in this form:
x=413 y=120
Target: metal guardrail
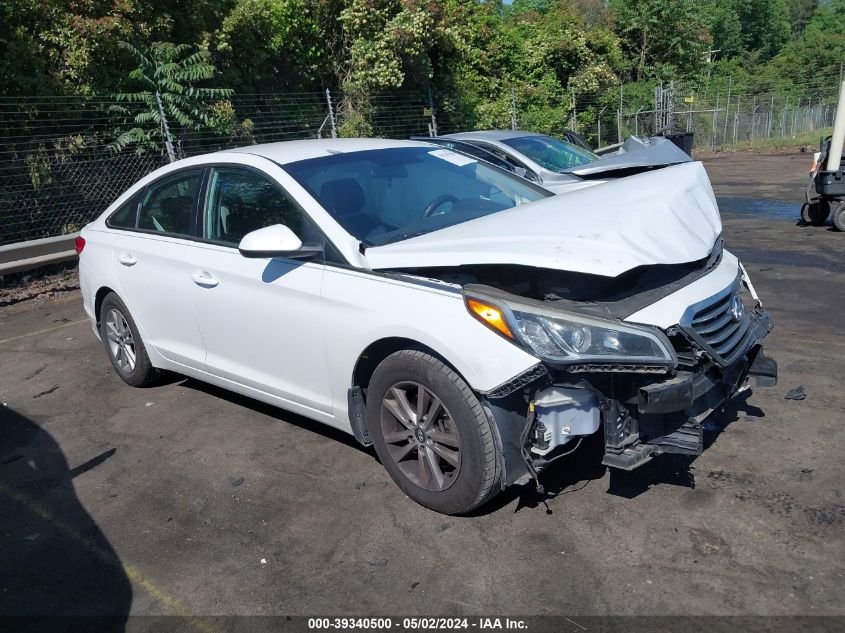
x=15 y=258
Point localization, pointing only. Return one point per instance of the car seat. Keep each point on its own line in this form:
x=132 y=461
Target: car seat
x=345 y=200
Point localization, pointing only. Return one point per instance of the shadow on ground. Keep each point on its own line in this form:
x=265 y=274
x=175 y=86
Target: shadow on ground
x=56 y=562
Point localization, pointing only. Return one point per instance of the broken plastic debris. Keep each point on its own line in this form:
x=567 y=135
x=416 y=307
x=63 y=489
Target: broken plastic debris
x=263 y=561
x=237 y=482
x=32 y=537
x=796 y=394
x=149 y=404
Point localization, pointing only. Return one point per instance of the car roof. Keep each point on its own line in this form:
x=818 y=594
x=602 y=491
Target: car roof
x=291 y=151
x=490 y=135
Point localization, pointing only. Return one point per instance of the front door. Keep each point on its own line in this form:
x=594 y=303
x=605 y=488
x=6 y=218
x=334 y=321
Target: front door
x=261 y=319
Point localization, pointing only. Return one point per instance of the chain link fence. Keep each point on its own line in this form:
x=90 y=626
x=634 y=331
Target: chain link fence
x=58 y=171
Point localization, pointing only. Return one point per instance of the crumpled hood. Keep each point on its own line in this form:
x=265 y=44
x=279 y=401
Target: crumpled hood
x=668 y=216
x=635 y=152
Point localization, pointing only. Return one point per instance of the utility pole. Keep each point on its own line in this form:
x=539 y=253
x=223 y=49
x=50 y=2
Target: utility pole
x=168 y=142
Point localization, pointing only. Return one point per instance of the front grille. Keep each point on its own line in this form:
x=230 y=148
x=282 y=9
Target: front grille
x=714 y=325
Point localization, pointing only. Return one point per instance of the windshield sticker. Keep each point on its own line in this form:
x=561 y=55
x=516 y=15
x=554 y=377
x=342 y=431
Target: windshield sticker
x=453 y=157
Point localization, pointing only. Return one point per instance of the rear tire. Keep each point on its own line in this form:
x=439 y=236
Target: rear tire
x=839 y=217
x=431 y=433
x=123 y=344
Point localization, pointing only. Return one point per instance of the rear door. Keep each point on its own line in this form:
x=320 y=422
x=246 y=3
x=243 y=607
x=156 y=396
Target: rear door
x=261 y=319
x=151 y=261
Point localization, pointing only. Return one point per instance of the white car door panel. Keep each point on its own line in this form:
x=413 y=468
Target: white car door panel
x=261 y=320
x=155 y=284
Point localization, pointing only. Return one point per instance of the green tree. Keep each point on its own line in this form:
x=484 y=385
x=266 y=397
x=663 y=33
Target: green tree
x=800 y=14
x=266 y=45
x=820 y=50
x=725 y=27
x=169 y=74
x=765 y=26
x=662 y=38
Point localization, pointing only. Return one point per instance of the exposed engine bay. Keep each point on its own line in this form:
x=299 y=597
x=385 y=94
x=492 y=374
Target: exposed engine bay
x=645 y=410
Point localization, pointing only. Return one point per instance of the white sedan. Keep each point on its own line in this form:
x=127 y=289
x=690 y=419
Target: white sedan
x=462 y=320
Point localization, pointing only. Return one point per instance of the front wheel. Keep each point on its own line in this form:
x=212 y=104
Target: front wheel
x=431 y=433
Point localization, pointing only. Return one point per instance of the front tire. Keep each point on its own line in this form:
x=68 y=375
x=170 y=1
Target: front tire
x=431 y=433
x=123 y=344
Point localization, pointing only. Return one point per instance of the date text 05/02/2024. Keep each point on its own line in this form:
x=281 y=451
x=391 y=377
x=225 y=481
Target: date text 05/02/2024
x=417 y=623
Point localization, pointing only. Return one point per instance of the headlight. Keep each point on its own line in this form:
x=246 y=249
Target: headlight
x=566 y=338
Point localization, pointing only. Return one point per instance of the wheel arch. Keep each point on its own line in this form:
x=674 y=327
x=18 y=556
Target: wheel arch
x=99 y=297
x=377 y=351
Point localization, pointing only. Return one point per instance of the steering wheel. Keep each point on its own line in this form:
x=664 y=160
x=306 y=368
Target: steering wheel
x=439 y=201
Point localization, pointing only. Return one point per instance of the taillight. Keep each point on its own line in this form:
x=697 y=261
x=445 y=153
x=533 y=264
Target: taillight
x=79 y=244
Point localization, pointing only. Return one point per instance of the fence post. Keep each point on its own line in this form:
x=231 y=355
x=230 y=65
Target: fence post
x=599 y=118
x=753 y=117
x=331 y=113
x=771 y=114
x=431 y=107
x=619 y=114
x=736 y=117
x=713 y=133
x=513 y=109
x=168 y=142
x=783 y=112
x=573 y=117
x=727 y=112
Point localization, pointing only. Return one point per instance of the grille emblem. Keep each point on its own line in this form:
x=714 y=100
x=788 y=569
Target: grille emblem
x=737 y=309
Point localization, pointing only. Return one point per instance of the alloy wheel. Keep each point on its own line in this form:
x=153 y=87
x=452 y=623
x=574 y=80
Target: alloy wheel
x=421 y=436
x=121 y=342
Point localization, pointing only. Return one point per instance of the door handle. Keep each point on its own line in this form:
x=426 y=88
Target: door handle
x=127 y=259
x=204 y=279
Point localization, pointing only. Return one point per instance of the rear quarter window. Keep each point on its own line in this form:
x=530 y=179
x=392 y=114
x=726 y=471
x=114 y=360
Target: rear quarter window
x=125 y=216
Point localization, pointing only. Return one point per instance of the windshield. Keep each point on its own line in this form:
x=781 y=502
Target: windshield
x=386 y=195
x=551 y=153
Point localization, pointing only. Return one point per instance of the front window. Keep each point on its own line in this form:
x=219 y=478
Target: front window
x=386 y=195
x=241 y=201
x=551 y=153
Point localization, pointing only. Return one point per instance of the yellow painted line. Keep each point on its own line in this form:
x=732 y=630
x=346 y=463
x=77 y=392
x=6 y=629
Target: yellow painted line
x=44 y=331
x=132 y=572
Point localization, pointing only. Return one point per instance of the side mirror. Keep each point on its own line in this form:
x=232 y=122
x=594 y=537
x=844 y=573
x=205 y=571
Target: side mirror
x=276 y=240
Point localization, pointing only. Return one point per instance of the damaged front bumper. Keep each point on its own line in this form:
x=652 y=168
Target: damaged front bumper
x=667 y=416
x=643 y=414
